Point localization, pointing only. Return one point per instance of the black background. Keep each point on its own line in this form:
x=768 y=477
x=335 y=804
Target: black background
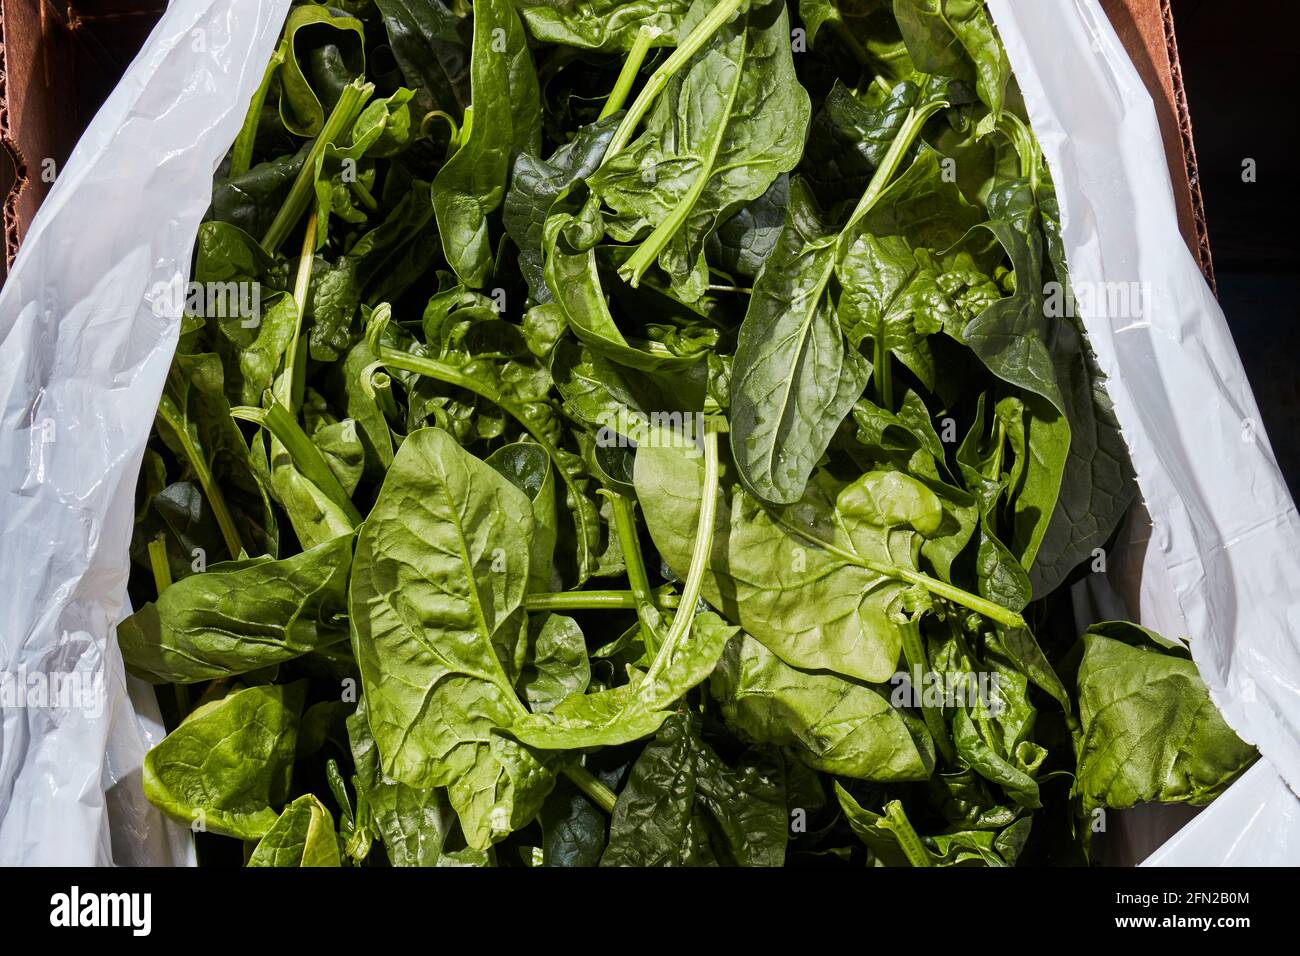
x=1241 y=71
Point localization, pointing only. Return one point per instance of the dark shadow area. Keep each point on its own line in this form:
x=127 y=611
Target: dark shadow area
x=1240 y=71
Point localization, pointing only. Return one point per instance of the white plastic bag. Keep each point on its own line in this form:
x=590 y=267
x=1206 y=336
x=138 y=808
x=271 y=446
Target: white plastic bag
x=85 y=356
x=1223 y=563
x=83 y=361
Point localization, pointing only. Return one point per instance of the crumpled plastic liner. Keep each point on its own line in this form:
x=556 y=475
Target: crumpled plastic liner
x=85 y=356
x=1222 y=566
x=84 y=360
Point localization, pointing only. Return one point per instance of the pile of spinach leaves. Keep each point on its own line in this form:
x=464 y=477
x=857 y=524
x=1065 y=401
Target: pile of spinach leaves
x=637 y=389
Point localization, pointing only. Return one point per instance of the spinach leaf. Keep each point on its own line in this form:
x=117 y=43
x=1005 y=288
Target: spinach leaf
x=834 y=724
x=241 y=616
x=573 y=277
x=425 y=40
x=259 y=351
x=303 y=836
x=503 y=117
x=440 y=572
x=726 y=126
x=822 y=583
x=528 y=468
x=483 y=379
x=893 y=841
x=891 y=279
x=414 y=823
x=633 y=710
x=955 y=38
x=194 y=422
x=742 y=243
x=848 y=140
x=325 y=53
x=251 y=199
x=535 y=187
x=573 y=831
x=793 y=378
x=1149 y=731
x=557 y=662
x=229 y=761
x=1011 y=337
x=1097 y=487
x=602 y=24
x=683 y=806
x=1000 y=574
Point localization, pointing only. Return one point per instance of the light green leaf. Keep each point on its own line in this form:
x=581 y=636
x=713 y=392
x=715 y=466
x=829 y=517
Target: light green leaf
x=814 y=608
x=793 y=379
x=240 y=616
x=633 y=710
x=440 y=572
x=1150 y=732
x=229 y=761
x=557 y=662
x=835 y=725
x=602 y=24
x=303 y=836
x=413 y=822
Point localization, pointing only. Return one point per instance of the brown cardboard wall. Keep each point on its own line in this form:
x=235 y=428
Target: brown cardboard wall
x=58 y=61
x=1146 y=28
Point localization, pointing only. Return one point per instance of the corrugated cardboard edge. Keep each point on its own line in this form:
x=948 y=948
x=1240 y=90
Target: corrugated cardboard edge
x=1146 y=28
x=11 y=233
x=1200 y=227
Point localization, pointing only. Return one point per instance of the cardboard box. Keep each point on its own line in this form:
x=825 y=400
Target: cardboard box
x=1146 y=28
x=58 y=61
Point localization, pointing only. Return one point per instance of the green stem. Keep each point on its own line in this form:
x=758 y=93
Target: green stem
x=341 y=118
x=1000 y=438
x=377 y=384
x=881 y=373
x=600 y=794
x=637 y=578
x=241 y=154
x=306 y=258
x=662 y=599
x=994 y=612
x=917 y=117
x=162 y=572
x=364 y=195
x=990 y=610
x=432 y=115
x=689 y=46
x=305 y=456
x=631 y=67
x=211 y=490
x=703 y=544
x=1026 y=147
x=908 y=838
x=287 y=393
x=918 y=664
